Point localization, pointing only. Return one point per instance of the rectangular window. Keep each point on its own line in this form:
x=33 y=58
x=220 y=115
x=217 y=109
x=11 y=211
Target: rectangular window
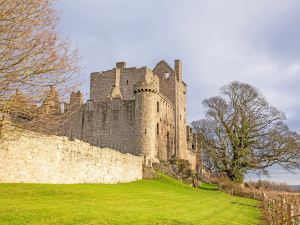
x=157 y=106
x=157 y=129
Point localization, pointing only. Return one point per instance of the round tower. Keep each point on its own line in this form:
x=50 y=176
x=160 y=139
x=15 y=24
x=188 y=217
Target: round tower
x=145 y=120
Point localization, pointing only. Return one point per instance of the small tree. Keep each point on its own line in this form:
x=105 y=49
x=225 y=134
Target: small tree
x=242 y=133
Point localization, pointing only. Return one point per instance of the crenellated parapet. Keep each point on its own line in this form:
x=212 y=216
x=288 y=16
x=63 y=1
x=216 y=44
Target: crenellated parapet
x=145 y=87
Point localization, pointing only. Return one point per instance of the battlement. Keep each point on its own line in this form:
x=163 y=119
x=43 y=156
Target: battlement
x=144 y=87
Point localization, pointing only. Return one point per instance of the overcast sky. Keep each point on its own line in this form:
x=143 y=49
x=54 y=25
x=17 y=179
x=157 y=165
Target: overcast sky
x=253 y=41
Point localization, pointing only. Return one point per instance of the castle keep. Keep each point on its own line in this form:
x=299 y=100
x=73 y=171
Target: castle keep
x=140 y=111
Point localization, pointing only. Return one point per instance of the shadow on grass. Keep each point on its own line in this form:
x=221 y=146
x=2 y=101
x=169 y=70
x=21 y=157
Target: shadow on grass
x=209 y=187
x=243 y=204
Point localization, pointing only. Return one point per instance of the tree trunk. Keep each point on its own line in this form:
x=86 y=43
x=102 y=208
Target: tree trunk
x=235 y=176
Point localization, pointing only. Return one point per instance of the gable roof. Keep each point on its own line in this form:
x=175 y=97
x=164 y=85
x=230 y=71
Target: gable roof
x=163 y=63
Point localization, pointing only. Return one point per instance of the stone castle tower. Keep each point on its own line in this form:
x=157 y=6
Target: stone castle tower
x=137 y=111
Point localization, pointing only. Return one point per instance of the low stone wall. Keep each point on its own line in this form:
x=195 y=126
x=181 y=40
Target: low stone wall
x=35 y=158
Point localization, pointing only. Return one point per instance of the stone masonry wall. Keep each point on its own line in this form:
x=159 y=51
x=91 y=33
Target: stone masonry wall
x=181 y=116
x=192 y=157
x=129 y=77
x=34 y=158
x=165 y=118
x=102 y=84
x=167 y=80
x=104 y=124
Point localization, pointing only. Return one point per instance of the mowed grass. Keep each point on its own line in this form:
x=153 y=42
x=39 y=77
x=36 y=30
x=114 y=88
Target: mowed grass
x=163 y=201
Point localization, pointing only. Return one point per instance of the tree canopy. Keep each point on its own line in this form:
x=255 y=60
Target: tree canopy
x=242 y=132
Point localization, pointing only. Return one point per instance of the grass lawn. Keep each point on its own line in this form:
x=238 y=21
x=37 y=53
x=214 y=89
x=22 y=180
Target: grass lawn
x=162 y=201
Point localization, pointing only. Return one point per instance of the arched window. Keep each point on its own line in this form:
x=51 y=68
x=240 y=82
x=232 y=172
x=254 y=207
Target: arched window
x=157 y=106
x=157 y=128
x=127 y=82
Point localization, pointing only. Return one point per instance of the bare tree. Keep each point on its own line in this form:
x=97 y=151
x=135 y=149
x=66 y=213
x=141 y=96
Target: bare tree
x=32 y=56
x=242 y=133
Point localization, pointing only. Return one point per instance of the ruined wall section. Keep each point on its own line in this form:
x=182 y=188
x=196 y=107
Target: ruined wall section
x=193 y=148
x=191 y=139
x=35 y=158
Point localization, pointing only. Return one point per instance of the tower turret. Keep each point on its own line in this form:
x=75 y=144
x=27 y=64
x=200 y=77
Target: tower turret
x=146 y=127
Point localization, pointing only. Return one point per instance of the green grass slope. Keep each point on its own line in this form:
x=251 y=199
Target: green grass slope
x=163 y=201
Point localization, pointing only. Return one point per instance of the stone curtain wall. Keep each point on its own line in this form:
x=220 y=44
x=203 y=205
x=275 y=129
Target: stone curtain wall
x=104 y=124
x=34 y=158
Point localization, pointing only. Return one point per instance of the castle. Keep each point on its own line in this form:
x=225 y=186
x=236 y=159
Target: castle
x=135 y=110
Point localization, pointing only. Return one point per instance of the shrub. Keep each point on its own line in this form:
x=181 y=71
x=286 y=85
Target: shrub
x=266 y=185
x=280 y=206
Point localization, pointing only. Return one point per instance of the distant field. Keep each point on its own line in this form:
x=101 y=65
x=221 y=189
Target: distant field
x=295 y=187
x=161 y=202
